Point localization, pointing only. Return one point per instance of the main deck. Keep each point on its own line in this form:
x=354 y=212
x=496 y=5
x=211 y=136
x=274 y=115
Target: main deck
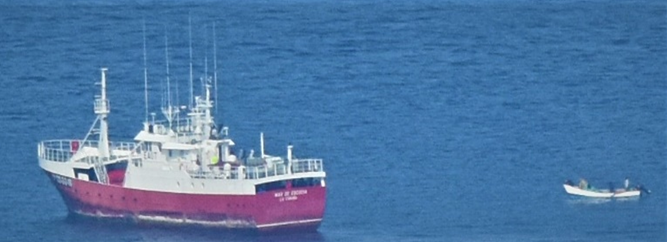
x=86 y=153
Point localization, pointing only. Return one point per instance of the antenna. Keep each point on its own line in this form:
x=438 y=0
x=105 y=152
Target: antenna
x=206 y=79
x=145 y=76
x=190 y=37
x=215 y=70
x=205 y=54
x=167 y=111
x=166 y=57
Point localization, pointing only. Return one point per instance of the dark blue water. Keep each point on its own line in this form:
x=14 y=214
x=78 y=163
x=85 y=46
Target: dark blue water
x=438 y=120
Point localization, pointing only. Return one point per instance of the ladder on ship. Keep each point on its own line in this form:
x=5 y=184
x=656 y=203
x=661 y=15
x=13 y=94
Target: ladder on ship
x=101 y=171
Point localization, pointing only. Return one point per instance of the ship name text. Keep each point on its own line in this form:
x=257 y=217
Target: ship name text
x=290 y=195
x=65 y=181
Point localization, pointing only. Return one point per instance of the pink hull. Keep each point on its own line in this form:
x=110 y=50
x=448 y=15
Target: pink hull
x=296 y=208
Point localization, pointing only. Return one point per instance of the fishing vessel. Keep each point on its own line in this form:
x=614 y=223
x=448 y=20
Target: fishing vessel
x=586 y=191
x=183 y=171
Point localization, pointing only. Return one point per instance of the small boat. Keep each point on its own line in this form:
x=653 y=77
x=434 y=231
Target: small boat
x=588 y=191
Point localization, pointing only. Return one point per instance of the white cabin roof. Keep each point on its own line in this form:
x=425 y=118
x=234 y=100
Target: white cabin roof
x=178 y=146
x=151 y=137
x=226 y=141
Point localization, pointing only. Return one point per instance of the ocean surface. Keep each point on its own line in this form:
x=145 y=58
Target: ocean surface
x=437 y=120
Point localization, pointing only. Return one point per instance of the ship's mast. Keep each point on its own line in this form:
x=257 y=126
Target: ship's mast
x=169 y=111
x=102 y=110
x=207 y=113
x=215 y=72
x=206 y=54
x=190 y=40
x=145 y=78
x=166 y=60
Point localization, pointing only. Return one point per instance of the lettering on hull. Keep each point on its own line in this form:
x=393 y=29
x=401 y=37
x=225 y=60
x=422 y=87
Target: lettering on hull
x=65 y=181
x=292 y=195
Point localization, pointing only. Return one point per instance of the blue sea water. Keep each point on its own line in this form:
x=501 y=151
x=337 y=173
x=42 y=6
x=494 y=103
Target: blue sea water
x=437 y=120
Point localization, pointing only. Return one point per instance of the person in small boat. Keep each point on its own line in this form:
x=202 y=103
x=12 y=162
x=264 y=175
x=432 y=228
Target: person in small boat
x=569 y=183
x=583 y=184
x=627 y=183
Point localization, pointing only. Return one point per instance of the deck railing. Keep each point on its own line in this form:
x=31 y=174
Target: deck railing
x=258 y=172
x=307 y=165
x=63 y=150
x=181 y=126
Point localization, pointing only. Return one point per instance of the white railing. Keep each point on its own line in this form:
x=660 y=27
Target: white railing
x=307 y=165
x=125 y=146
x=63 y=150
x=55 y=150
x=182 y=128
x=258 y=172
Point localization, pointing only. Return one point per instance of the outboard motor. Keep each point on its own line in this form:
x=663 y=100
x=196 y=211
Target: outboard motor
x=643 y=190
